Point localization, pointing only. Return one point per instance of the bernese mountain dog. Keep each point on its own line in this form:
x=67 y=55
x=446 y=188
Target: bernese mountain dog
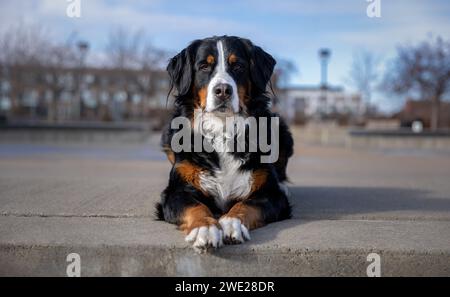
x=217 y=196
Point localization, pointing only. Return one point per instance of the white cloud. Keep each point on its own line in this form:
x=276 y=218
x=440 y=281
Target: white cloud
x=310 y=8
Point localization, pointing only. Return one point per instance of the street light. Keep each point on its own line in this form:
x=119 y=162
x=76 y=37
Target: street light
x=324 y=55
x=83 y=48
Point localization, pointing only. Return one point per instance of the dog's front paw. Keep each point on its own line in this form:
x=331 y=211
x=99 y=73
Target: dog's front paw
x=234 y=232
x=204 y=237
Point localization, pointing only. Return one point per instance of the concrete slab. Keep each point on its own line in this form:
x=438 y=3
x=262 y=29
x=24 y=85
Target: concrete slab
x=140 y=246
x=346 y=205
x=325 y=183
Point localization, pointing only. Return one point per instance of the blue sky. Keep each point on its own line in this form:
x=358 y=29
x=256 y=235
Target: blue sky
x=289 y=29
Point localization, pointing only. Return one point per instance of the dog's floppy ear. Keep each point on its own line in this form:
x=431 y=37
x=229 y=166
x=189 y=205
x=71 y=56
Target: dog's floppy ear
x=180 y=69
x=261 y=65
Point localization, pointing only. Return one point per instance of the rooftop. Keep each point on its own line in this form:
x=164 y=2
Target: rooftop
x=313 y=88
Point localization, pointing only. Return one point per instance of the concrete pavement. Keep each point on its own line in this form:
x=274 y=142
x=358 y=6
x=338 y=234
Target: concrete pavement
x=98 y=201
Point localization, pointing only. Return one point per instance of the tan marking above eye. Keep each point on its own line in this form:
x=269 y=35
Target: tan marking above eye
x=210 y=59
x=232 y=59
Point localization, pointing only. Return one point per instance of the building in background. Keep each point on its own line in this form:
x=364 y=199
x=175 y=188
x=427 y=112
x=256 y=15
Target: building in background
x=114 y=94
x=321 y=102
x=301 y=103
x=420 y=111
x=72 y=94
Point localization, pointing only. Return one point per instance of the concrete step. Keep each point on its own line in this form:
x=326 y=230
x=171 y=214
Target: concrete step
x=97 y=201
x=39 y=246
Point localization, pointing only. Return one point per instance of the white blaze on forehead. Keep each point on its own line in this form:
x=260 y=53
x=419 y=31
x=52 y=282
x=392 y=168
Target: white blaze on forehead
x=221 y=76
x=221 y=57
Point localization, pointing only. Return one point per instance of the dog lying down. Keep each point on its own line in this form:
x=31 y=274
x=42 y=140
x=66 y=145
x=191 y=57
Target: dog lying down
x=228 y=151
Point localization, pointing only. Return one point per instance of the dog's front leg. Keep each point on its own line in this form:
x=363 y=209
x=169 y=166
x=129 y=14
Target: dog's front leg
x=181 y=204
x=202 y=230
x=239 y=220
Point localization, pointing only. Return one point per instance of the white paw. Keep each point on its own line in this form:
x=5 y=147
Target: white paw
x=206 y=236
x=233 y=230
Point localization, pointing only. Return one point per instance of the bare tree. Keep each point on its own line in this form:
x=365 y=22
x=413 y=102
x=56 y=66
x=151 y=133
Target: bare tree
x=23 y=51
x=421 y=71
x=30 y=59
x=283 y=72
x=24 y=44
x=363 y=74
x=123 y=48
x=153 y=57
x=284 y=69
x=132 y=51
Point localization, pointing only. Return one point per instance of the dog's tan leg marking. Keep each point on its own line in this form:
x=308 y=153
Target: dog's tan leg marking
x=238 y=221
x=200 y=227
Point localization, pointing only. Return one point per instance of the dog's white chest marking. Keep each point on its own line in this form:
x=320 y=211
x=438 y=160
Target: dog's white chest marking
x=227 y=181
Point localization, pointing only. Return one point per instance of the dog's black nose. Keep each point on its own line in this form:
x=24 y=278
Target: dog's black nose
x=223 y=91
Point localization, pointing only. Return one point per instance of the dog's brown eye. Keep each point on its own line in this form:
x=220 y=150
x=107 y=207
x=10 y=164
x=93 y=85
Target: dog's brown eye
x=204 y=67
x=238 y=67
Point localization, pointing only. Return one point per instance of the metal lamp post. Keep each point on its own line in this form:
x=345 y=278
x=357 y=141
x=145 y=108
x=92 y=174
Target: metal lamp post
x=324 y=56
x=83 y=48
